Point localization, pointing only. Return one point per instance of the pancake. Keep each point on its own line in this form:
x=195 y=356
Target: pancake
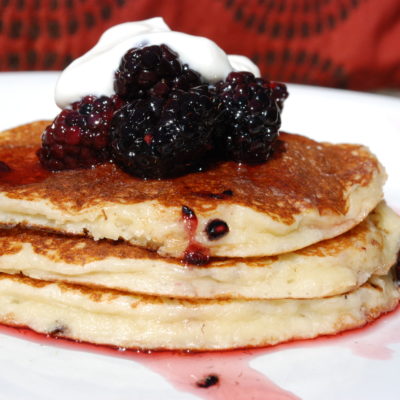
x=133 y=321
x=307 y=192
x=327 y=268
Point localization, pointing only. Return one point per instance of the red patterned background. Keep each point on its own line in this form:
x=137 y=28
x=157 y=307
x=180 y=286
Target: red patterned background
x=342 y=43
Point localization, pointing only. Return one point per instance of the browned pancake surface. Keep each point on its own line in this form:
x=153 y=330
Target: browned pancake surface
x=302 y=174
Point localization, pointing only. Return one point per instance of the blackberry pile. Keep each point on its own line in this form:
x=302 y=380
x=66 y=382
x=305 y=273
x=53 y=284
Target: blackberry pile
x=165 y=121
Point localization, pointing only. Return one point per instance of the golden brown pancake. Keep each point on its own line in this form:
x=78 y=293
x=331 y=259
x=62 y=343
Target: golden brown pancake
x=307 y=192
x=145 y=322
x=327 y=268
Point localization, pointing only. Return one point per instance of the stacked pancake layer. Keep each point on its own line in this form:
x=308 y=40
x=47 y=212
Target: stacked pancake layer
x=309 y=249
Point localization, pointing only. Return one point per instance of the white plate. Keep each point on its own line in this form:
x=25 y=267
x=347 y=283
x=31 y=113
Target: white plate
x=331 y=370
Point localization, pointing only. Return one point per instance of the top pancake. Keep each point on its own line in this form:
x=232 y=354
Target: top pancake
x=307 y=192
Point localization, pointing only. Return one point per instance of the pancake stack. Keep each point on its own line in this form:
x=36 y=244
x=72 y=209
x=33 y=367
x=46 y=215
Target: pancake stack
x=235 y=256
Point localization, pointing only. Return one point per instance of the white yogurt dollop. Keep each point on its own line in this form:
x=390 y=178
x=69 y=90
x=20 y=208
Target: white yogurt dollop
x=93 y=73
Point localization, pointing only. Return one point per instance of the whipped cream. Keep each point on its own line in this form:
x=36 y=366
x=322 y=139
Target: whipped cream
x=93 y=73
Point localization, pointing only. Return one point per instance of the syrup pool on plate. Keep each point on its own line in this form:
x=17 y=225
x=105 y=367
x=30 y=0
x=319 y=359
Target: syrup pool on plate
x=229 y=374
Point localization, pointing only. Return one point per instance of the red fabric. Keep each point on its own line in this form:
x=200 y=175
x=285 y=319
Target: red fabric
x=342 y=43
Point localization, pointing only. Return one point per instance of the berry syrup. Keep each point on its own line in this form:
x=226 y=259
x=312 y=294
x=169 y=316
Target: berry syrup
x=227 y=374
x=195 y=253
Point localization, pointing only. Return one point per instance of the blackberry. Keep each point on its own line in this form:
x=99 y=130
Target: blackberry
x=249 y=117
x=152 y=70
x=79 y=136
x=163 y=137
